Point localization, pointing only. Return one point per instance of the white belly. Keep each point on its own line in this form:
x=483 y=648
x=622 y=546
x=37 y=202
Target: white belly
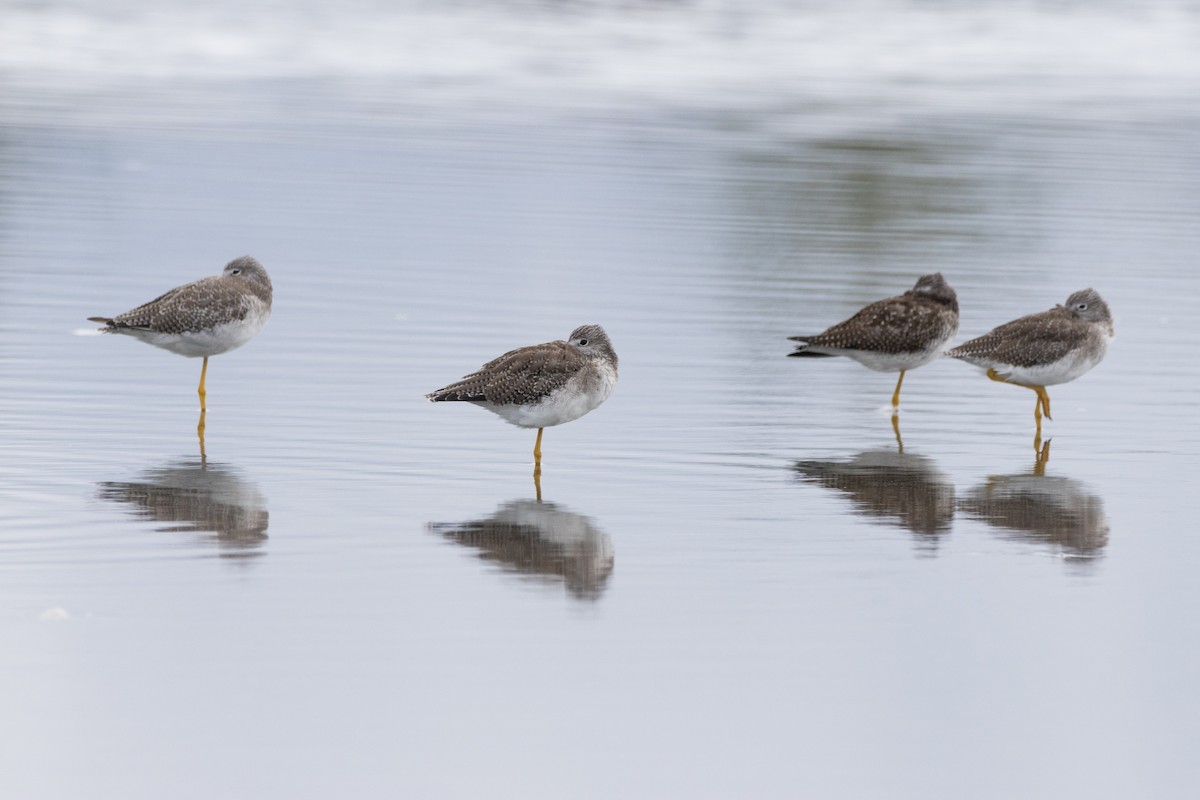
x=1064 y=370
x=575 y=399
x=209 y=342
x=894 y=362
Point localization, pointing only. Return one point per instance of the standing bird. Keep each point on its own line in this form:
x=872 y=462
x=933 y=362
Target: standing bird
x=205 y=318
x=544 y=384
x=892 y=335
x=1044 y=349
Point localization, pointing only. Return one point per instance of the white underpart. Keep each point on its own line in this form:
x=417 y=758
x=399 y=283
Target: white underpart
x=1064 y=370
x=572 y=401
x=211 y=342
x=890 y=362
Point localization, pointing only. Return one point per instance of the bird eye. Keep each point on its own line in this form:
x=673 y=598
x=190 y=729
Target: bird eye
x=582 y=342
x=1082 y=306
x=235 y=272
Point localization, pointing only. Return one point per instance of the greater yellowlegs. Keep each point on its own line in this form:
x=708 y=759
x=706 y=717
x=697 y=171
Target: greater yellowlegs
x=892 y=335
x=544 y=384
x=1044 y=349
x=204 y=318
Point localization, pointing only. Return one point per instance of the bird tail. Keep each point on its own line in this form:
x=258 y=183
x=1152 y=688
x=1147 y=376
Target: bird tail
x=802 y=350
x=448 y=394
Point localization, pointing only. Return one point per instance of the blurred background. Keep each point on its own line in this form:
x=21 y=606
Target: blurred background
x=741 y=581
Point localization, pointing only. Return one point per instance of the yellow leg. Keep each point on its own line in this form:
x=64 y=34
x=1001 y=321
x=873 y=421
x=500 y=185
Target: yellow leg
x=896 y=394
x=200 y=391
x=896 y=429
x=1043 y=398
x=537 y=465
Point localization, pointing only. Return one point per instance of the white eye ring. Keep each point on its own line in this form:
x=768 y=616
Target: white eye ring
x=1082 y=307
x=235 y=272
x=582 y=342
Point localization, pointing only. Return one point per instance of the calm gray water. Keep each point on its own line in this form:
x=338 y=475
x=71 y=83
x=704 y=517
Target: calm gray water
x=739 y=583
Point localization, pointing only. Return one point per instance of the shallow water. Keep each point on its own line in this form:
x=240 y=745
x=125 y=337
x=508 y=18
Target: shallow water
x=739 y=581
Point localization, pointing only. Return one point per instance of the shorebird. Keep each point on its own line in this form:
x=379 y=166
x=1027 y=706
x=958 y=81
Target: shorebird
x=1044 y=349
x=543 y=384
x=204 y=318
x=892 y=335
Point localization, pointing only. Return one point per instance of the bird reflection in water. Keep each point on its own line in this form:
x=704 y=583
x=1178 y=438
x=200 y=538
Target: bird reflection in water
x=540 y=540
x=194 y=496
x=1057 y=512
x=900 y=488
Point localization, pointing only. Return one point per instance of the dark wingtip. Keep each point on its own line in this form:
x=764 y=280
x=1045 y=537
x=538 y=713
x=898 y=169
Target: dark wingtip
x=103 y=320
x=809 y=354
x=448 y=397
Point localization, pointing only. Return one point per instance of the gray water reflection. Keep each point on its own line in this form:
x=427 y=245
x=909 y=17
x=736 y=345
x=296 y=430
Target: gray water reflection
x=1057 y=512
x=541 y=540
x=196 y=496
x=903 y=489
x=884 y=198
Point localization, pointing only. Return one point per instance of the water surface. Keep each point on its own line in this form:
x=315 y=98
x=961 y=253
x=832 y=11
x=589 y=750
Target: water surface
x=740 y=581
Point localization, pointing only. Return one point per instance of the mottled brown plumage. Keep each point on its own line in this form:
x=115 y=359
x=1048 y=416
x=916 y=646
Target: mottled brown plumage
x=204 y=318
x=520 y=376
x=1044 y=349
x=1041 y=339
x=905 y=324
x=892 y=335
x=194 y=307
x=542 y=385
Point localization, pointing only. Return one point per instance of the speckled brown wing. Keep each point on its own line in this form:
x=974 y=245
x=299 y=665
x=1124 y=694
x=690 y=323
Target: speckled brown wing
x=517 y=377
x=896 y=325
x=196 y=306
x=1030 y=341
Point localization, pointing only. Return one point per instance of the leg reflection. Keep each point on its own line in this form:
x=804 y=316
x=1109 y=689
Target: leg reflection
x=896 y=430
x=1042 y=455
x=200 y=434
x=537 y=480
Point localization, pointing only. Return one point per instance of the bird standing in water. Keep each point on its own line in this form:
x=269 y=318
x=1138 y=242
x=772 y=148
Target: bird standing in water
x=892 y=335
x=1044 y=349
x=543 y=384
x=204 y=318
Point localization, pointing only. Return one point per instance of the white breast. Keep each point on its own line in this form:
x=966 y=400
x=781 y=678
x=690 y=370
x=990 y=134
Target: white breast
x=577 y=397
x=1066 y=369
x=894 y=362
x=210 y=341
